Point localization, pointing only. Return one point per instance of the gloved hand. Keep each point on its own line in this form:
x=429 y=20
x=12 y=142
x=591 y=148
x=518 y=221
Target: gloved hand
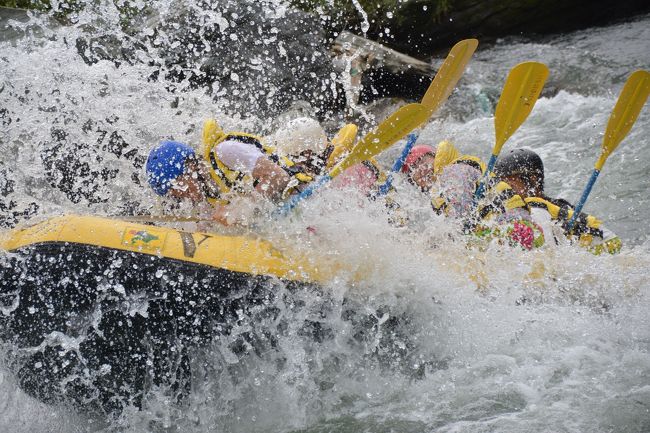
x=580 y=225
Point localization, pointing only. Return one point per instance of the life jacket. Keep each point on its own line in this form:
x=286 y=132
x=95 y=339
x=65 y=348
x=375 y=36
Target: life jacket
x=502 y=215
x=472 y=161
x=500 y=197
x=447 y=154
x=463 y=184
x=589 y=230
x=229 y=180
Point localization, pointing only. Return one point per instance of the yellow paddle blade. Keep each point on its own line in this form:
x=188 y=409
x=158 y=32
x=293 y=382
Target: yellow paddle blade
x=394 y=128
x=523 y=86
x=342 y=142
x=211 y=132
x=449 y=74
x=627 y=109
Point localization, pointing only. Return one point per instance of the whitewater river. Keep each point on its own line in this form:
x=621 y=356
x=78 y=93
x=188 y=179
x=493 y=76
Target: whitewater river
x=456 y=340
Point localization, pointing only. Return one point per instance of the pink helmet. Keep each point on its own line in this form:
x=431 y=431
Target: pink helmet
x=362 y=176
x=415 y=154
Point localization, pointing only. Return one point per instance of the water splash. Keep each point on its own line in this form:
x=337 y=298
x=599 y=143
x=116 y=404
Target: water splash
x=365 y=25
x=417 y=333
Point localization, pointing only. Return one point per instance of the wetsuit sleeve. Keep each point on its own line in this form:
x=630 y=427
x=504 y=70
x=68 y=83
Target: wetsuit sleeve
x=238 y=156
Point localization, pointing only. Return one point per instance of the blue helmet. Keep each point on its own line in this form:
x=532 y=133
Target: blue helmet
x=165 y=163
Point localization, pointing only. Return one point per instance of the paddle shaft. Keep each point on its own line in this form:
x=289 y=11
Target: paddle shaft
x=481 y=187
x=293 y=201
x=437 y=93
x=583 y=199
x=628 y=106
x=397 y=166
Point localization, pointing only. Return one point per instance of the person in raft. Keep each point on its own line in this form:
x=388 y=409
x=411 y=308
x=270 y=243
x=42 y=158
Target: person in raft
x=523 y=170
x=451 y=179
x=237 y=163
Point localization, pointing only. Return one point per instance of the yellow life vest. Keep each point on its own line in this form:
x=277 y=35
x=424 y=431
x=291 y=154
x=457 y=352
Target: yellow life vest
x=447 y=154
x=229 y=180
x=512 y=216
x=501 y=197
x=587 y=227
x=563 y=213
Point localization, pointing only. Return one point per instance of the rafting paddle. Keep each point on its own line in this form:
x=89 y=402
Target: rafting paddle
x=439 y=90
x=342 y=142
x=394 y=128
x=523 y=86
x=627 y=109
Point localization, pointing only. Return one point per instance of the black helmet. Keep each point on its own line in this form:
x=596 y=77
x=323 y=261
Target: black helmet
x=522 y=163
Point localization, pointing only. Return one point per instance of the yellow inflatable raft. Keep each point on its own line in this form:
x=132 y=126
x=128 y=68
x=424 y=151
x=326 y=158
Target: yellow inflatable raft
x=96 y=311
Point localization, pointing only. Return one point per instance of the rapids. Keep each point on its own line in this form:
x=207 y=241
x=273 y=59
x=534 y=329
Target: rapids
x=433 y=337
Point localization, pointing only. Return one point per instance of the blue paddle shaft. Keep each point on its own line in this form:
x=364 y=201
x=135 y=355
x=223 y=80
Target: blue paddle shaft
x=318 y=183
x=481 y=186
x=412 y=138
x=297 y=198
x=583 y=199
x=399 y=162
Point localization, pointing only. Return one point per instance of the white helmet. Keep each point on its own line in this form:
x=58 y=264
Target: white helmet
x=303 y=133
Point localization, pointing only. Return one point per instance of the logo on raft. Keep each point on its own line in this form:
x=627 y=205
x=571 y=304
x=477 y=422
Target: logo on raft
x=143 y=236
x=143 y=239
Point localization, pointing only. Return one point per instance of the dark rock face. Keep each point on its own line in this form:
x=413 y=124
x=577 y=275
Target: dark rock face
x=420 y=27
x=250 y=53
x=382 y=83
x=254 y=54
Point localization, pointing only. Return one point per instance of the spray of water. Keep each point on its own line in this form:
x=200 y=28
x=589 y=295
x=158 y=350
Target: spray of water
x=365 y=25
x=416 y=331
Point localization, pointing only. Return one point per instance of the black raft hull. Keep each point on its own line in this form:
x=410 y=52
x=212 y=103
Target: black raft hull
x=99 y=325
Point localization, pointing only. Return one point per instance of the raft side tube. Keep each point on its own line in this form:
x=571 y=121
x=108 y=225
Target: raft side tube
x=234 y=253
